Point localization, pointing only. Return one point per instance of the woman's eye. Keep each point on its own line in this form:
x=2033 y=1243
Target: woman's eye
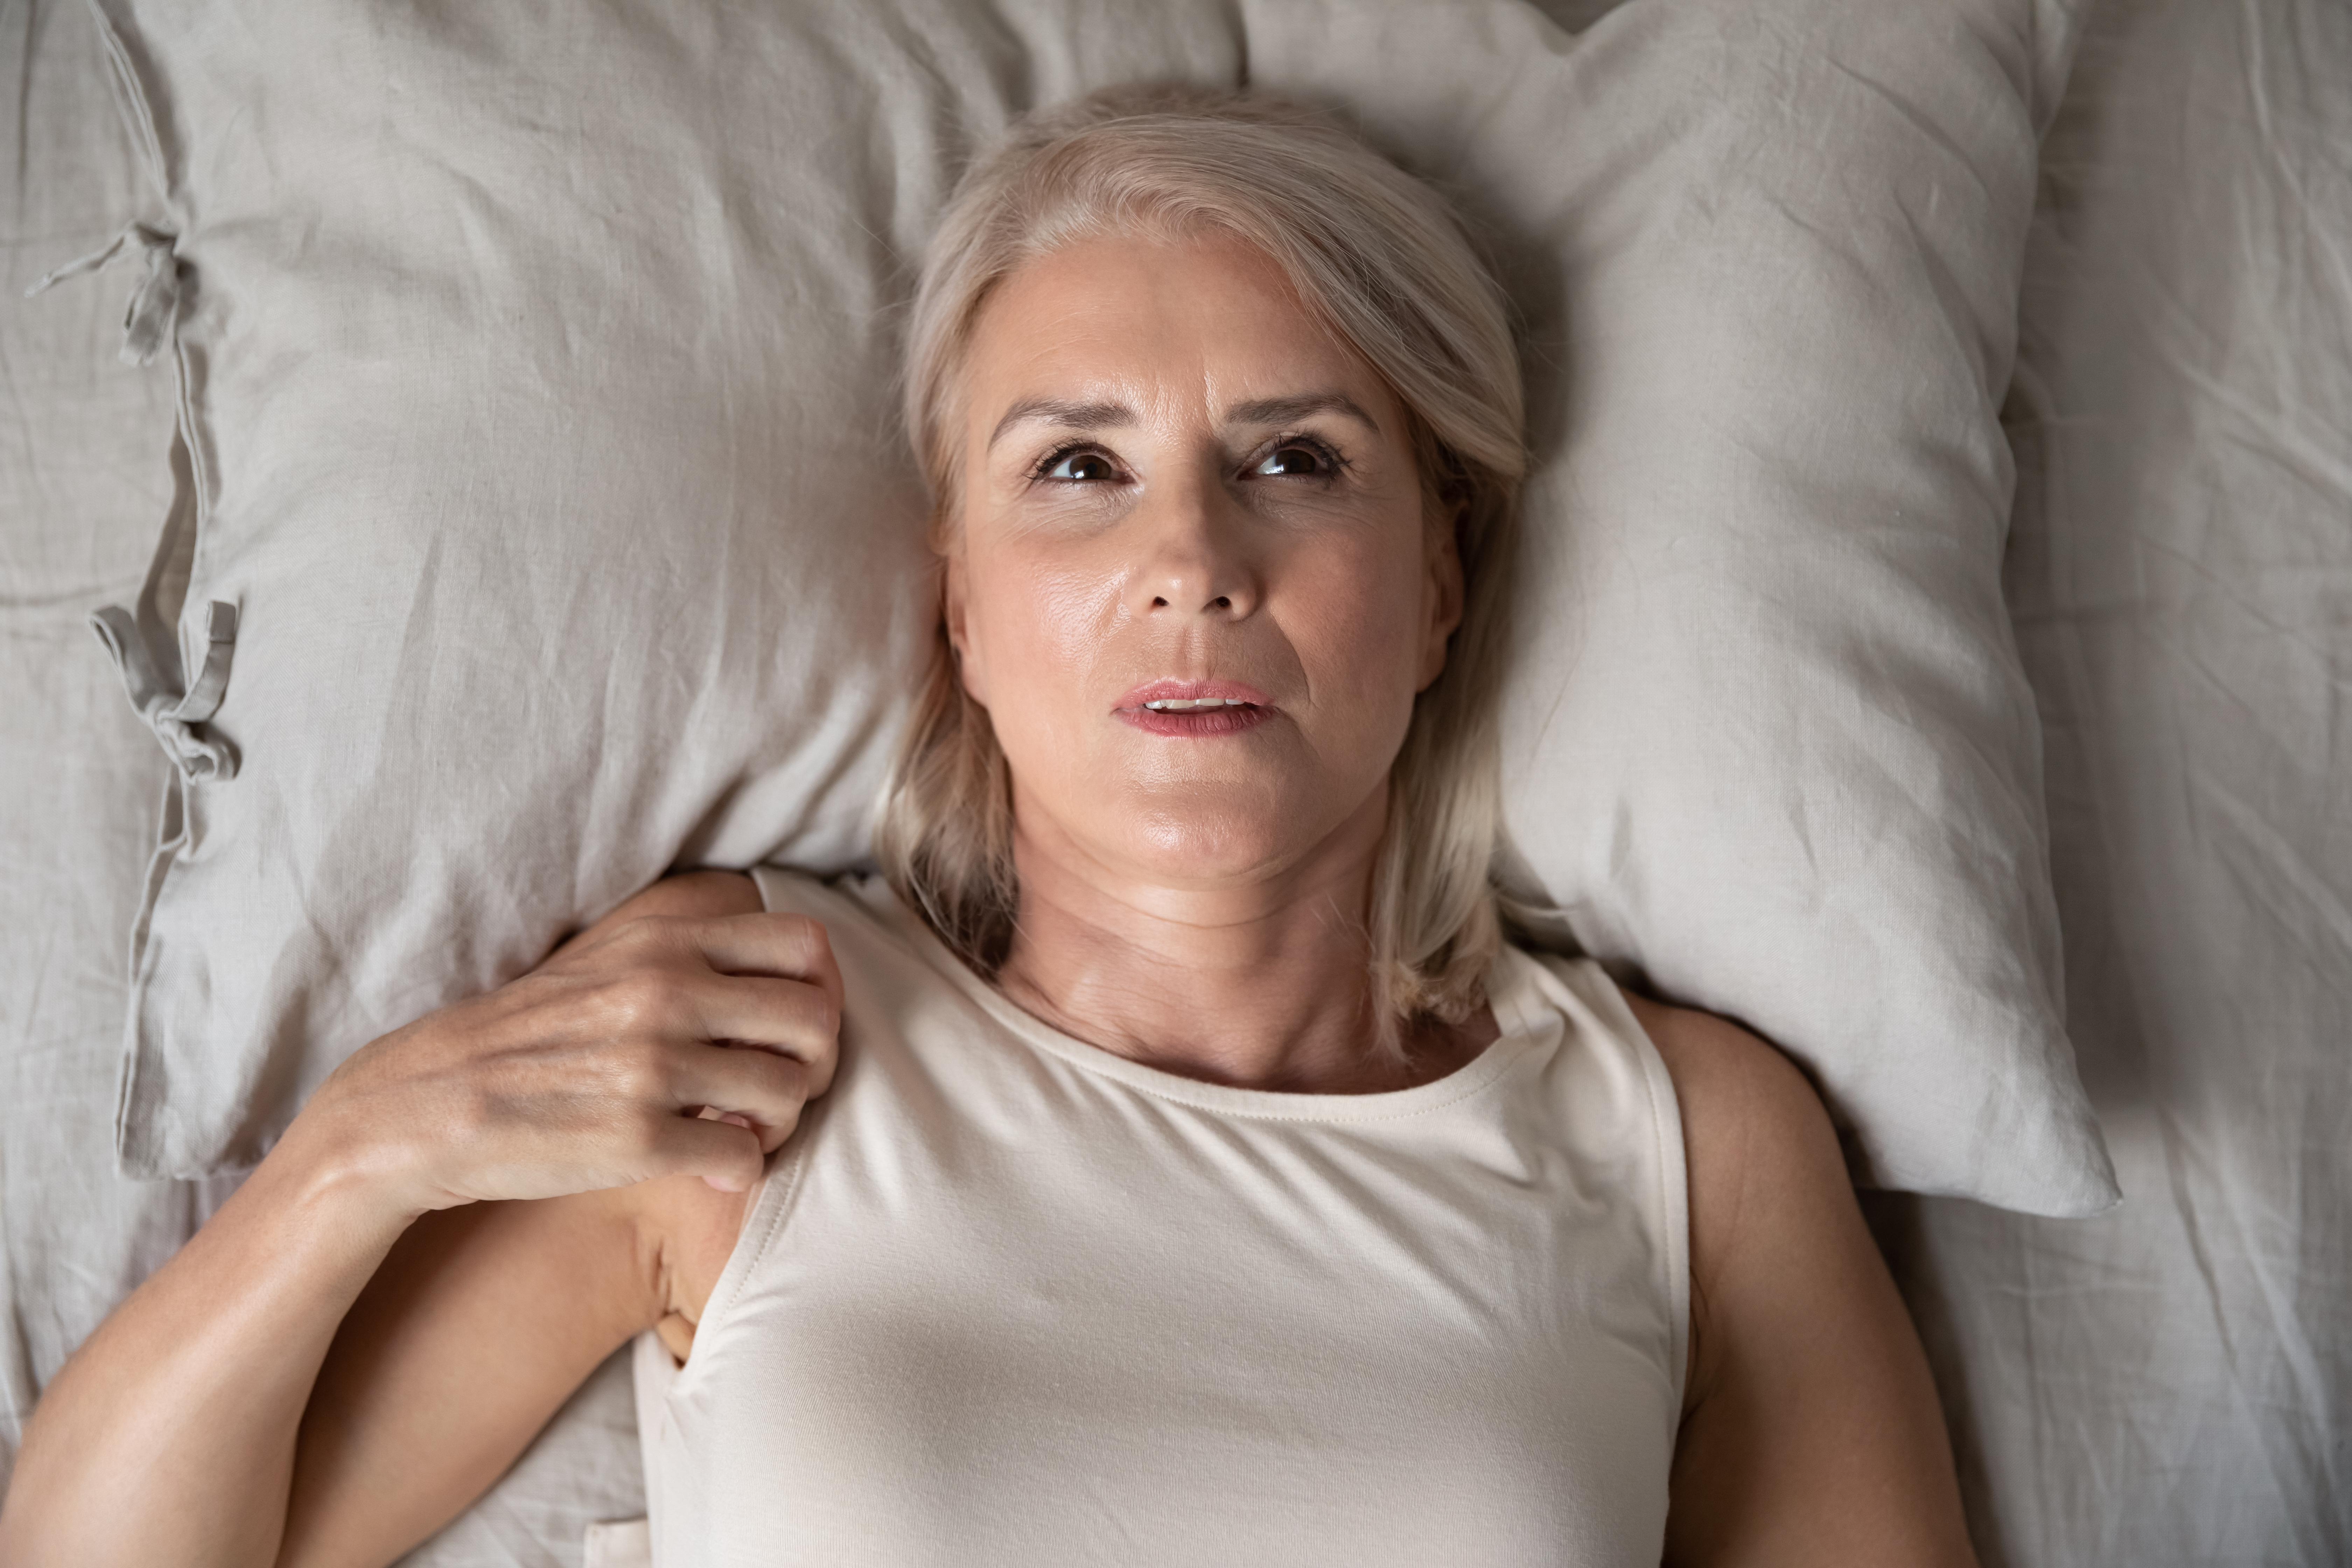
x=1083 y=467
x=1294 y=461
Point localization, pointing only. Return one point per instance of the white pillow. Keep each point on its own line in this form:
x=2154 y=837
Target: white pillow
x=538 y=370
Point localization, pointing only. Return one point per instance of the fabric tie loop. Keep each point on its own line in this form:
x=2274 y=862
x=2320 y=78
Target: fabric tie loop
x=176 y=716
x=154 y=308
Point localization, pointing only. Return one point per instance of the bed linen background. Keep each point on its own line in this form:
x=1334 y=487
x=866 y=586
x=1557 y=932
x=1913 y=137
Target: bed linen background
x=80 y=777
x=2172 y=1382
x=447 y=346
x=2163 y=1384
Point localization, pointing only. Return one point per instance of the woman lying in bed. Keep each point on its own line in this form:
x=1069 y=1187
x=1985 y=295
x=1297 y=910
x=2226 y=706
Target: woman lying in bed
x=1202 y=1176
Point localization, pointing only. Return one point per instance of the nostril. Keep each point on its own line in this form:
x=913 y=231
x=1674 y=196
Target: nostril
x=1221 y=603
x=1158 y=604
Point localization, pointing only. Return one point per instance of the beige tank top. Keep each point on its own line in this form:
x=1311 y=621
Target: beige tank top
x=1007 y=1298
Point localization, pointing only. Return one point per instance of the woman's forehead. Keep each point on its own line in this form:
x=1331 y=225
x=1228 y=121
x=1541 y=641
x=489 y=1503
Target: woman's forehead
x=1112 y=330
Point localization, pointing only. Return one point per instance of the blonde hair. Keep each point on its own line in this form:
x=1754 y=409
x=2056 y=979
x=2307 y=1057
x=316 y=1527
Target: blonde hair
x=1384 y=263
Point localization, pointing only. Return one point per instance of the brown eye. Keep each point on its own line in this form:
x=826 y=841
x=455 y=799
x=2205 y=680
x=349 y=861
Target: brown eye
x=1292 y=462
x=1081 y=467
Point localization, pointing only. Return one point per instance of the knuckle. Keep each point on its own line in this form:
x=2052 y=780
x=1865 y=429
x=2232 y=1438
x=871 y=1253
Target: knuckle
x=646 y=927
x=755 y=1070
x=811 y=945
x=643 y=999
x=649 y=935
x=642 y=1071
x=786 y=1078
x=824 y=1015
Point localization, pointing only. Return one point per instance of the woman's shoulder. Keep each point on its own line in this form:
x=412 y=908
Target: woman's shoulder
x=1809 y=1413
x=860 y=897
x=856 y=904
x=1757 y=1140
x=1727 y=1083
x=1742 y=1101
x=1772 y=1208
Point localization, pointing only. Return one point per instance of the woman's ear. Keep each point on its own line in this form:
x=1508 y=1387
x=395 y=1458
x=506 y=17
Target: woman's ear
x=1442 y=595
x=956 y=607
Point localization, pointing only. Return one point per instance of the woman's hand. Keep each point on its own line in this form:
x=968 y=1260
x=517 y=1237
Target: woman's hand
x=172 y=1435
x=651 y=1045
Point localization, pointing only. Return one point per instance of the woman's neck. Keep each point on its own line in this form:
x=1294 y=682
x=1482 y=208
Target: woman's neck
x=1264 y=984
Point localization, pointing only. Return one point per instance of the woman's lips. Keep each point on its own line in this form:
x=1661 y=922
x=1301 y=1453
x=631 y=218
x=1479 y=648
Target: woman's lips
x=1196 y=707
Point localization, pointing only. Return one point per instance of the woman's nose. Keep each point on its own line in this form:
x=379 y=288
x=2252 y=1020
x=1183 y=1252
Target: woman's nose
x=1196 y=554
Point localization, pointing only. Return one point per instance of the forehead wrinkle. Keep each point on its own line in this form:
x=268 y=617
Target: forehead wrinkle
x=1282 y=410
x=1069 y=416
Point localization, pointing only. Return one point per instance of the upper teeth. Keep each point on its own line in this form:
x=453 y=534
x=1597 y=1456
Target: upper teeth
x=1186 y=704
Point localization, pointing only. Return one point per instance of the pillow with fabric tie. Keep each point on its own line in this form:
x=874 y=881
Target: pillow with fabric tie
x=538 y=443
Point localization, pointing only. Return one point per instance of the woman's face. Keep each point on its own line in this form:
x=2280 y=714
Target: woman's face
x=1193 y=584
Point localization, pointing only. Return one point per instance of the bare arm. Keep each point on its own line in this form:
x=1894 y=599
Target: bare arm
x=197 y=1424
x=480 y=1323
x=1811 y=1433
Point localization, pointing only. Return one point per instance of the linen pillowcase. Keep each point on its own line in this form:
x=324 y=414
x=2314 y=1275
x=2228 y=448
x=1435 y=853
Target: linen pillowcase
x=536 y=381
x=1769 y=742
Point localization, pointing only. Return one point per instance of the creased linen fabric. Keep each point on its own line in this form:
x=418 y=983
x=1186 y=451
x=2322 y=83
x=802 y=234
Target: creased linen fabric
x=81 y=488
x=2171 y=1382
x=536 y=371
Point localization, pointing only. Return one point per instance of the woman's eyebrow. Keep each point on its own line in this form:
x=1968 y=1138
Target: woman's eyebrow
x=1070 y=415
x=1282 y=410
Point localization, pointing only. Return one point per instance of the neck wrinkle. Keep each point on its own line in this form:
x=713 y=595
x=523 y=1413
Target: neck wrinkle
x=1264 y=984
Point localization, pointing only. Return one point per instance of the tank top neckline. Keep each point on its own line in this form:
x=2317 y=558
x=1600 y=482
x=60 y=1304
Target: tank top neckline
x=1517 y=1025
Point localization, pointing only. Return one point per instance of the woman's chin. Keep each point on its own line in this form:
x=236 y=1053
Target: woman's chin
x=1203 y=850
x=1198 y=834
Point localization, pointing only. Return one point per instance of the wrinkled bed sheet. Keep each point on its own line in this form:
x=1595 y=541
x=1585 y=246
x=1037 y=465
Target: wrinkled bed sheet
x=83 y=488
x=2164 y=1385
x=2171 y=1382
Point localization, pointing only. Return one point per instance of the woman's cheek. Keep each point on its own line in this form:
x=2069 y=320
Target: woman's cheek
x=1044 y=625
x=1355 y=617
